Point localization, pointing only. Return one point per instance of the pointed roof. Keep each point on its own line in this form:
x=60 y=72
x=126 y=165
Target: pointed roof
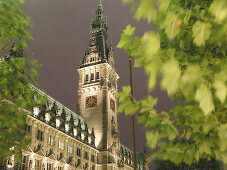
x=98 y=45
x=99 y=11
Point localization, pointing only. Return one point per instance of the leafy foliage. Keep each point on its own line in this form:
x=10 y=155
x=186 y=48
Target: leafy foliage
x=188 y=54
x=17 y=71
x=211 y=164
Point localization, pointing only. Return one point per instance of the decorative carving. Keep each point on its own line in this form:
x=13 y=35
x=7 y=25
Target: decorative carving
x=114 y=131
x=112 y=104
x=113 y=148
x=101 y=82
x=111 y=159
x=120 y=163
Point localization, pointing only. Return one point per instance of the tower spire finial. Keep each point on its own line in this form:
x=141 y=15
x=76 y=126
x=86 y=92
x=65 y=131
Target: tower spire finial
x=100 y=5
x=99 y=11
x=100 y=2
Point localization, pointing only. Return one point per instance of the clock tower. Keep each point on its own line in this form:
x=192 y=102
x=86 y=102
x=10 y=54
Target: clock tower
x=97 y=90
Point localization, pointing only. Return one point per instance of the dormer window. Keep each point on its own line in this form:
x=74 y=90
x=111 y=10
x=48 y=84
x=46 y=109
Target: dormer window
x=92 y=59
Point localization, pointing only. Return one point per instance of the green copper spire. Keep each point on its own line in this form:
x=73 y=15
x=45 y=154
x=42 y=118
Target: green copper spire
x=98 y=40
x=100 y=3
x=99 y=12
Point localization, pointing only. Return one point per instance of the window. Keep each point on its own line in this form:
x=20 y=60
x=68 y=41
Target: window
x=23 y=163
x=40 y=135
x=92 y=76
x=51 y=140
x=60 y=168
x=87 y=77
x=24 y=159
x=70 y=149
x=85 y=155
x=49 y=166
x=97 y=75
x=27 y=128
x=37 y=164
x=78 y=152
x=93 y=167
x=61 y=144
x=92 y=158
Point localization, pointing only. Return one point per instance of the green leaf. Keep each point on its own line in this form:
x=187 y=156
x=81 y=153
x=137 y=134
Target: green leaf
x=152 y=43
x=163 y=5
x=147 y=104
x=152 y=138
x=146 y=10
x=201 y=32
x=204 y=148
x=171 y=74
x=152 y=70
x=190 y=79
x=126 y=39
x=171 y=24
x=221 y=90
x=222 y=132
x=204 y=97
x=211 y=124
x=132 y=108
x=219 y=9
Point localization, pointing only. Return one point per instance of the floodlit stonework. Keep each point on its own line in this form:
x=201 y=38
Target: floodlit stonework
x=89 y=139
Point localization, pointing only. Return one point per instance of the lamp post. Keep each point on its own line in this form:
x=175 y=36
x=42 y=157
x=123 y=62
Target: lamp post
x=132 y=117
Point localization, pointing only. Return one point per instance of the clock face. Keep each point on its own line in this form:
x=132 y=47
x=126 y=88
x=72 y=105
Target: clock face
x=112 y=104
x=91 y=101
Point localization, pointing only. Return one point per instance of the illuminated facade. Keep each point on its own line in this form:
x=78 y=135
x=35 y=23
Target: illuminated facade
x=90 y=138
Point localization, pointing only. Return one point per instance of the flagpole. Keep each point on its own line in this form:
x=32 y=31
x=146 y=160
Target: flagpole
x=132 y=117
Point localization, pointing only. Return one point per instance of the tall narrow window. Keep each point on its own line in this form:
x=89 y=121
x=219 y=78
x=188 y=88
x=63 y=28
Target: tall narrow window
x=87 y=77
x=49 y=166
x=70 y=149
x=27 y=128
x=37 y=164
x=23 y=163
x=60 y=168
x=97 y=75
x=51 y=140
x=78 y=152
x=40 y=135
x=85 y=155
x=61 y=145
x=92 y=76
x=93 y=158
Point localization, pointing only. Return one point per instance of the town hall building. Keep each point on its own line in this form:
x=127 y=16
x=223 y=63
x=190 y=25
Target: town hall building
x=89 y=139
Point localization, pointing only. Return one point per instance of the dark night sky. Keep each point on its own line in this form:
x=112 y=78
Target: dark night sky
x=61 y=35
